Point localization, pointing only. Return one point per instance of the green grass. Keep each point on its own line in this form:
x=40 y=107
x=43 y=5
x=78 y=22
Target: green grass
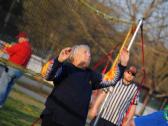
x=20 y=110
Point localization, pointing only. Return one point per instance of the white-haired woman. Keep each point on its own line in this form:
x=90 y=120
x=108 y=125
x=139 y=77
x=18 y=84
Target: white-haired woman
x=68 y=103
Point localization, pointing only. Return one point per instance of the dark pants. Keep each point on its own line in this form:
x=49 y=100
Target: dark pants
x=102 y=122
x=47 y=121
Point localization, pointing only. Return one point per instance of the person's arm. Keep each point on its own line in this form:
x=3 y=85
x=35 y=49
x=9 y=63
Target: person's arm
x=53 y=70
x=128 y=120
x=98 y=81
x=12 y=49
x=113 y=75
x=56 y=70
x=93 y=111
x=4 y=45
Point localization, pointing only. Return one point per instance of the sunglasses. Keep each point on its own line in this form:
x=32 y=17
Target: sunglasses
x=130 y=73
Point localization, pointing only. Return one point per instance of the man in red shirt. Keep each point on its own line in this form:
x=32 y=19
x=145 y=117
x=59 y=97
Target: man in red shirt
x=19 y=54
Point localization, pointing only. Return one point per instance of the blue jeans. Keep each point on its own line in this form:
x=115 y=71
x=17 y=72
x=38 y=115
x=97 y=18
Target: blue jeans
x=7 y=80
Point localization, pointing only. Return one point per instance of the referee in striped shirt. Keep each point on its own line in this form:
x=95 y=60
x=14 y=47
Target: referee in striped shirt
x=122 y=95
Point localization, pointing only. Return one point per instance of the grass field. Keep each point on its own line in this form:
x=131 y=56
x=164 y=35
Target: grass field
x=20 y=110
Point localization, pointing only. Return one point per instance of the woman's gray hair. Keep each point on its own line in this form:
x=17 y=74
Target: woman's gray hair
x=75 y=49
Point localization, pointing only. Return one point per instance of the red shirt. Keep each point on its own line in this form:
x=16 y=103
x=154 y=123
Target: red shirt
x=20 y=53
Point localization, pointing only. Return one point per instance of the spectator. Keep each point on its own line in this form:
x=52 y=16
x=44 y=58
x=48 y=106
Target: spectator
x=68 y=103
x=120 y=98
x=19 y=54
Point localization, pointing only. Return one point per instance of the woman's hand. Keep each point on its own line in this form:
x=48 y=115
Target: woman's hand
x=64 y=54
x=124 y=57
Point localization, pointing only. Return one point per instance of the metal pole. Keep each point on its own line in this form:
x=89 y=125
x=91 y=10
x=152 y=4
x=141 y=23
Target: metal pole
x=107 y=99
x=133 y=37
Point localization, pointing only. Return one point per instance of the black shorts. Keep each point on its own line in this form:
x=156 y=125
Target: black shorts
x=102 y=122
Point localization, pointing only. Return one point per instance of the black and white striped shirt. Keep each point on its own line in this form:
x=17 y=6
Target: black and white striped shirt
x=120 y=98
